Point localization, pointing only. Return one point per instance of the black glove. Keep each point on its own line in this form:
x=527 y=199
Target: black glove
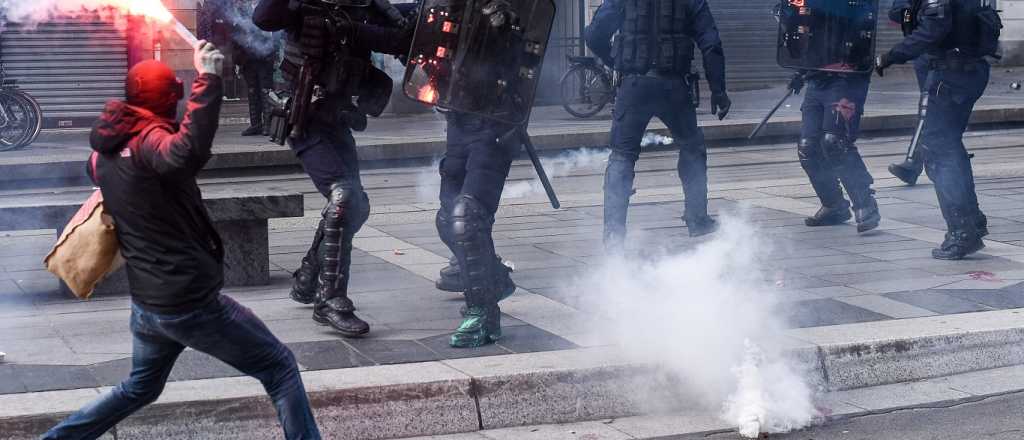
x=720 y=104
x=882 y=62
x=796 y=84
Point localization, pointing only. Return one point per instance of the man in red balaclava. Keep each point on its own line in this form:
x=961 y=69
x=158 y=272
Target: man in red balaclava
x=146 y=164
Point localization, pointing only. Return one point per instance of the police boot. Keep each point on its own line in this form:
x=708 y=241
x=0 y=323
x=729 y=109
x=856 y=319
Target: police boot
x=830 y=215
x=959 y=243
x=481 y=321
x=305 y=278
x=333 y=307
x=255 y=114
x=867 y=214
x=981 y=222
x=700 y=225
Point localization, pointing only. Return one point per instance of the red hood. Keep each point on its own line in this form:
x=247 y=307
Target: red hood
x=119 y=123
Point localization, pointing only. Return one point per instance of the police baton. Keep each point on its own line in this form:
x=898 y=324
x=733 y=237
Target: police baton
x=753 y=134
x=519 y=133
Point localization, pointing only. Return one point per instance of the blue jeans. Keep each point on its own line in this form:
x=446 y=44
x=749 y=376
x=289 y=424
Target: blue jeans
x=224 y=329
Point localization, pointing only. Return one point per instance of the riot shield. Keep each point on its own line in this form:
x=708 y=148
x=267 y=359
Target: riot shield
x=827 y=35
x=479 y=56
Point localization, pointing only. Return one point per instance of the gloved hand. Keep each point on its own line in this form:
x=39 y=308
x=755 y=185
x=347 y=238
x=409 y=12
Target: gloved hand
x=882 y=62
x=208 y=59
x=720 y=104
x=796 y=84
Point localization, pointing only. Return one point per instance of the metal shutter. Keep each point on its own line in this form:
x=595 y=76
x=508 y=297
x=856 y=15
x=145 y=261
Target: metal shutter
x=72 y=66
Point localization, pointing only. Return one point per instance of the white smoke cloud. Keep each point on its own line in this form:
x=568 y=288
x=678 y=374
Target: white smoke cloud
x=559 y=166
x=428 y=182
x=707 y=316
x=652 y=138
x=243 y=31
x=32 y=12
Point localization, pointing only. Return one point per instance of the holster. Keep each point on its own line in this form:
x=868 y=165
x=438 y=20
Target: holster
x=280 y=117
x=693 y=80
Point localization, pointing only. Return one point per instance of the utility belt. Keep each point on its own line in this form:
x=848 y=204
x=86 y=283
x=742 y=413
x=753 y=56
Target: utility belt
x=958 y=64
x=692 y=80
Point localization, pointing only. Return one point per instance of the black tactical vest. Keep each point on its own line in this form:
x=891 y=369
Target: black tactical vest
x=653 y=37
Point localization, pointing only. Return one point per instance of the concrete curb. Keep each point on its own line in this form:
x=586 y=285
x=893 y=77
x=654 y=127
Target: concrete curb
x=271 y=155
x=527 y=389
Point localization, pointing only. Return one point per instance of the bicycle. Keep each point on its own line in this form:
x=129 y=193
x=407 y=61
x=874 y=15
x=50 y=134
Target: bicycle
x=587 y=87
x=21 y=119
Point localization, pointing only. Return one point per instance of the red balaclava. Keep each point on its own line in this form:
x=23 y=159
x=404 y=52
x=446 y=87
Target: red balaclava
x=153 y=86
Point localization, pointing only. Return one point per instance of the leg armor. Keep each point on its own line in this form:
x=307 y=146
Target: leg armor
x=345 y=213
x=267 y=107
x=450 y=280
x=306 y=277
x=834 y=208
x=852 y=172
x=481 y=274
x=256 y=98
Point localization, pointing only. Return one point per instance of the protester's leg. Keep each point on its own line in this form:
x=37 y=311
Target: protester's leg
x=232 y=333
x=153 y=358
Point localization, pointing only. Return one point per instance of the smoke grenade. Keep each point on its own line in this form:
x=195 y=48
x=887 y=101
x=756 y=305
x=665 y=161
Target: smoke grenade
x=709 y=318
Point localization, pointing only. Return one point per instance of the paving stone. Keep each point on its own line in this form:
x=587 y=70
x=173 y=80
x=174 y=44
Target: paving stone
x=529 y=339
x=111 y=372
x=326 y=355
x=393 y=351
x=937 y=301
x=10 y=382
x=995 y=299
x=886 y=306
x=54 y=377
x=439 y=345
x=820 y=312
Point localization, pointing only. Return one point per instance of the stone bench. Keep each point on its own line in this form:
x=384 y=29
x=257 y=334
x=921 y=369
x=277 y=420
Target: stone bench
x=241 y=220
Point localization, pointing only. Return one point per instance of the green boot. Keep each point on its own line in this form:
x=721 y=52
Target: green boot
x=480 y=326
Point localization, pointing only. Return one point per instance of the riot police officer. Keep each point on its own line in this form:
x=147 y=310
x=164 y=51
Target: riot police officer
x=329 y=43
x=836 y=60
x=956 y=35
x=653 y=52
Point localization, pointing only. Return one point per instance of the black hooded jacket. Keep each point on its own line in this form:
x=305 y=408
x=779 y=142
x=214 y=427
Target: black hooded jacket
x=146 y=169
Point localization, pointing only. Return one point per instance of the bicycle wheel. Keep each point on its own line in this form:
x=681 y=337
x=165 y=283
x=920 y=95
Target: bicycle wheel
x=17 y=121
x=585 y=91
x=35 y=122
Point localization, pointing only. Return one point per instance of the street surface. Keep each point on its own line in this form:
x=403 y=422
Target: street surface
x=995 y=418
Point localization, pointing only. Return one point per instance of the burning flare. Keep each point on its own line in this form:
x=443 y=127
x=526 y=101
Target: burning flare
x=29 y=12
x=427 y=93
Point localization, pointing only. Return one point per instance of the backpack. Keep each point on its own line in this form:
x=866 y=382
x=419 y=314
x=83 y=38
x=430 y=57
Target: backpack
x=988 y=26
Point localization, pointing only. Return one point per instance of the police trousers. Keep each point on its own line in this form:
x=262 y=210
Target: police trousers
x=638 y=99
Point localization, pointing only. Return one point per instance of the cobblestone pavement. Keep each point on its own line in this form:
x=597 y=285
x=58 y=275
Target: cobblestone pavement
x=826 y=276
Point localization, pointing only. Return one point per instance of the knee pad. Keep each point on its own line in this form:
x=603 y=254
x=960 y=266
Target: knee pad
x=443 y=223
x=347 y=207
x=469 y=218
x=834 y=145
x=807 y=149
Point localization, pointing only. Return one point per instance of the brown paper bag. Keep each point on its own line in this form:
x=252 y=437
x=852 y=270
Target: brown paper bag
x=88 y=249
